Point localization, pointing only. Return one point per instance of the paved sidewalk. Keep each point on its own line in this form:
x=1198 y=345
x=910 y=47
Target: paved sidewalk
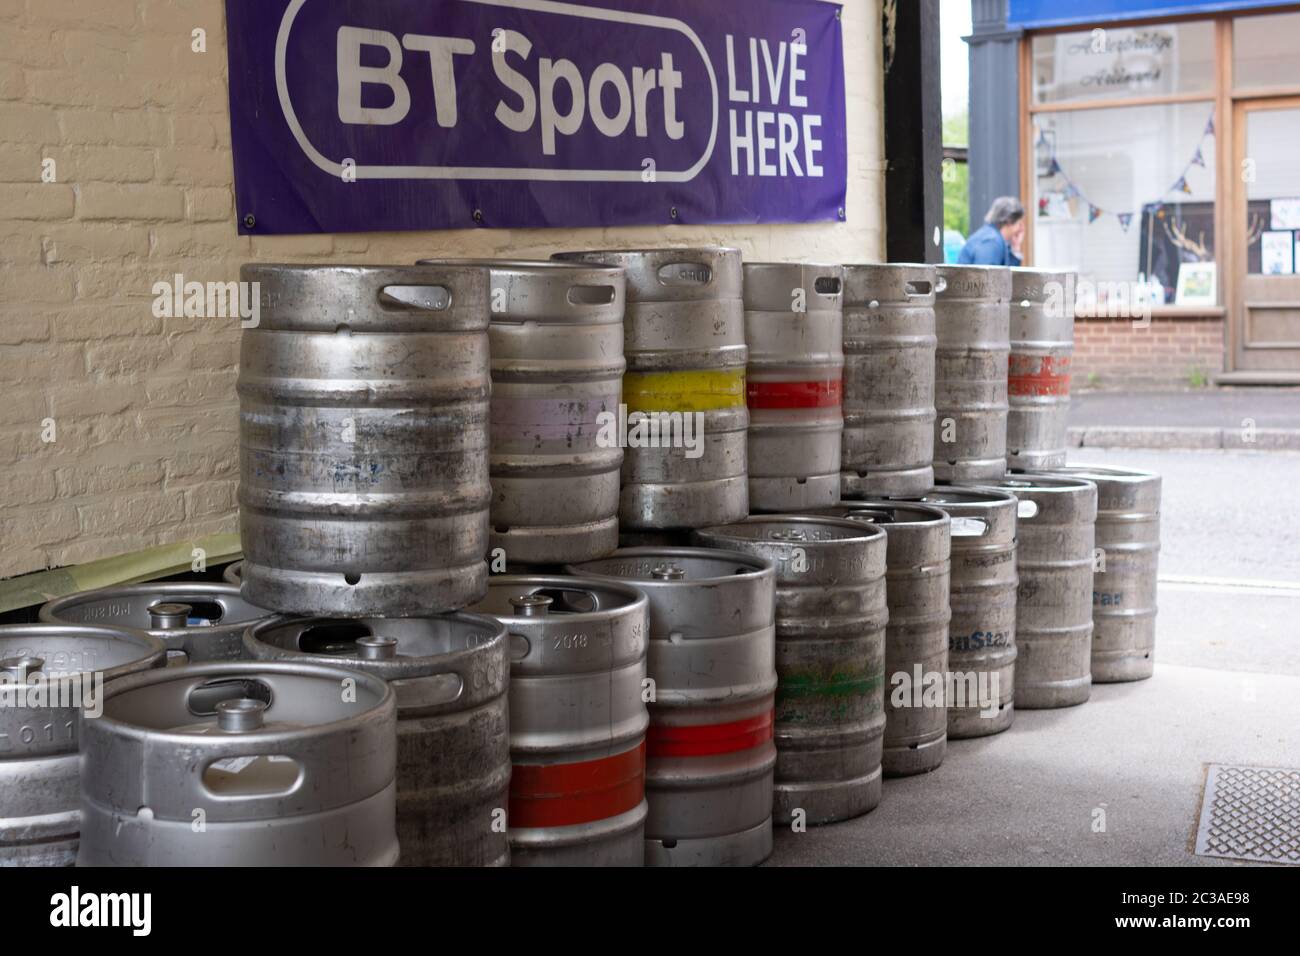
x=1253 y=419
x=1134 y=757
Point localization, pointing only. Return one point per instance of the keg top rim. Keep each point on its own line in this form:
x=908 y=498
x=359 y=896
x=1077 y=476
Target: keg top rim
x=518 y=584
x=1037 y=270
x=569 y=254
x=970 y=267
x=946 y=494
x=151 y=648
x=924 y=266
x=1037 y=482
x=338 y=267
x=400 y=666
x=377 y=686
x=758 y=567
x=932 y=515
x=802 y=265
x=861 y=531
x=540 y=265
x=228 y=596
x=1105 y=472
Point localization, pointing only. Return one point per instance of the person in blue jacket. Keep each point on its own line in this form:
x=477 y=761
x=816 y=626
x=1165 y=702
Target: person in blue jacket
x=995 y=243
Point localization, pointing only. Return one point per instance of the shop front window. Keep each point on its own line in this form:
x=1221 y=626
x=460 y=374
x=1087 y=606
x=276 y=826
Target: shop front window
x=1117 y=62
x=1125 y=194
x=1264 y=51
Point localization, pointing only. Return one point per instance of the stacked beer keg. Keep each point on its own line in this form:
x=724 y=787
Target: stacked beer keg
x=435 y=651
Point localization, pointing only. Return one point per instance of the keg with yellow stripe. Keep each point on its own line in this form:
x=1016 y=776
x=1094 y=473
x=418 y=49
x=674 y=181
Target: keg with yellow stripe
x=683 y=422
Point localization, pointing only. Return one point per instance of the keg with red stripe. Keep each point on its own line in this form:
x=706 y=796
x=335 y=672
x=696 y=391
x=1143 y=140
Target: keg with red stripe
x=577 y=718
x=794 y=330
x=1038 y=377
x=830 y=659
x=556 y=343
x=710 y=754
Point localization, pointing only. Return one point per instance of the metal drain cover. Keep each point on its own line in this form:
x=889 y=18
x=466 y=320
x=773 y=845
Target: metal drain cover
x=1250 y=813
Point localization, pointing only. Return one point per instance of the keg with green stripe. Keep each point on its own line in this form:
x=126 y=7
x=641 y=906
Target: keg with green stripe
x=684 y=341
x=917 y=574
x=830 y=659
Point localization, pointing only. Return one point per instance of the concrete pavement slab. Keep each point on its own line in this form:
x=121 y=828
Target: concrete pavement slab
x=1132 y=759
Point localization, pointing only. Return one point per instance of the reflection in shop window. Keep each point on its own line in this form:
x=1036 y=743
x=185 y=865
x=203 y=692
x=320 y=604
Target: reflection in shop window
x=1264 y=51
x=1126 y=195
x=1116 y=62
x=1273 y=192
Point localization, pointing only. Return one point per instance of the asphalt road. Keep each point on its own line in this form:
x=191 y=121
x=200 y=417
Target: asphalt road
x=1229 y=556
x=1224 y=514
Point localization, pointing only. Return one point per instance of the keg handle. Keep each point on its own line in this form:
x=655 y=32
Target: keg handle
x=680 y=273
x=940 y=284
x=829 y=287
x=969 y=527
x=869 y=515
x=581 y=294
x=1026 y=508
x=920 y=288
x=424 y=298
x=204 y=697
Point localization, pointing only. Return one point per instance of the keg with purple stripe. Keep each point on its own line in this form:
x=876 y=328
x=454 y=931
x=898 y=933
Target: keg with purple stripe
x=556 y=341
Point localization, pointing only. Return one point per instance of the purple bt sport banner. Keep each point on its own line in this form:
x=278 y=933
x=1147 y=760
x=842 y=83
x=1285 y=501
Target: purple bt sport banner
x=369 y=115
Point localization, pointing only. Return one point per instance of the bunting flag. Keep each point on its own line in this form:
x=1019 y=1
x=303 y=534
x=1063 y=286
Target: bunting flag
x=1072 y=191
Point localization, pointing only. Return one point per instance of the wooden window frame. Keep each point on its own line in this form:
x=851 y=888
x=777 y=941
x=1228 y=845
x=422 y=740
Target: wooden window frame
x=1222 y=94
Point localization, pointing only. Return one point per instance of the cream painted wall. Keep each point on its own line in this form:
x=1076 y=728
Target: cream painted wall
x=144 y=409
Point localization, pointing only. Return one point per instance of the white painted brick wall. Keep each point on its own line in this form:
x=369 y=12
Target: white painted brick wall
x=145 y=408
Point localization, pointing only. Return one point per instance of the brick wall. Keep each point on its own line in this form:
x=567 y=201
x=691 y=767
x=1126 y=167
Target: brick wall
x=1173 y=352
x=144 y=408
